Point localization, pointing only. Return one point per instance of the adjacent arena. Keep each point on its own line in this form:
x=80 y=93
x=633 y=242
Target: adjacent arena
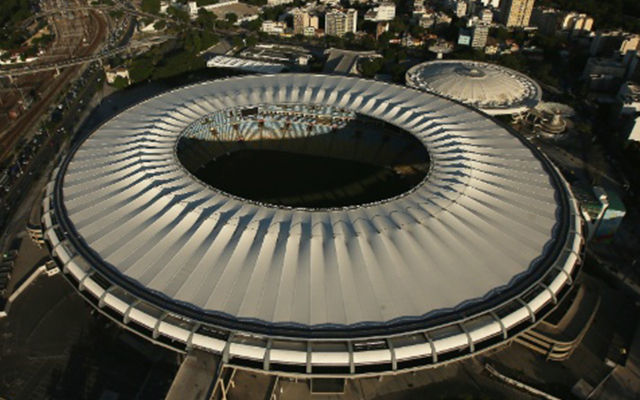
x=445 y=234
x=491 y=88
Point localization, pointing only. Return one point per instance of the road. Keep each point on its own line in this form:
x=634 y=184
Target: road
x=83 y=60
x=29 y=118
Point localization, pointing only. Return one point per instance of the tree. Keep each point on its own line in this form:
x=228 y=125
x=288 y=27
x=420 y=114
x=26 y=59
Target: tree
x=120 y=83
x=178 y=14
x=150 y=6
x=206 y=19
x=397 y=25
x=254 y=25
x=141 y=69
x=177 y=64
x=252 y=40
x=14 y=10
x=272 y=13
x=369 y=43
x=370 y=67
x=238 y=41
x=231 y=17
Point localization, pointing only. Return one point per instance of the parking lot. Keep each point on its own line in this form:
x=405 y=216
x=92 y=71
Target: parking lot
x=54 y=346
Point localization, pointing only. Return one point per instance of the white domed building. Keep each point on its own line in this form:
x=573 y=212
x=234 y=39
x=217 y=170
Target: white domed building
x=491 y=88
x=457 y=236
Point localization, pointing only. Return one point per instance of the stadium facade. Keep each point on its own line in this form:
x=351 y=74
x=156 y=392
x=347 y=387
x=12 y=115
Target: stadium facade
x=477 y=251
x=494 y=89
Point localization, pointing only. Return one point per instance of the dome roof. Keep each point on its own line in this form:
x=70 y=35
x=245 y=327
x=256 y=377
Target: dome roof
x=489 y=215
x=494 y=89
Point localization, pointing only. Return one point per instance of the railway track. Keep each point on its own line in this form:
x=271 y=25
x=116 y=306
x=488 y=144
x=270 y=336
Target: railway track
x=10 y=137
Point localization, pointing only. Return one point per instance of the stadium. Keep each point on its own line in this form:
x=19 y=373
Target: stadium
x=494 y=89
x=314 y=225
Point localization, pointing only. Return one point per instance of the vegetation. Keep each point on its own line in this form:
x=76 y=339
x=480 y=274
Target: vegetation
x=150 y=6
x=120 y=83
x=370 y=67
x=11 y=13
x=231 y=17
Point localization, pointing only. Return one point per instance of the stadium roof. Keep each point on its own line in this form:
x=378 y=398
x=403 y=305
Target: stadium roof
x=491 y=219
x=494 y=89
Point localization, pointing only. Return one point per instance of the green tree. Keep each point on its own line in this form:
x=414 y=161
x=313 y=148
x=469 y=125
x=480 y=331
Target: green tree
x=120 y=83
x=238 y=41
x=206 y=19
x=141 y=69
x=150 y=6
x=397 y=25
x=177 y=64
x=252 y=40
x=178 y=14
x=254 y=25
x=272 y=13
x=371 y=66
x=231 y=17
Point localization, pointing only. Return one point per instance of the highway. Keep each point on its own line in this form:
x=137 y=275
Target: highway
x=29 y=69
x=26 y=121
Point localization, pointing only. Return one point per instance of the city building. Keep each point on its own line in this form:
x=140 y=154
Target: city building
x=551 y=22
x=576 y=24
x=293 y=56
x=300 y=20
x=480 y=33
x=604 y=216
x=628 y=106
x=338 y=23
x=310 y=31
x=193 y=7
x=516 y=13
x=606 y=74
x=452 y=267
x=274 y=3
x=273 y=27
x=549 y=120
x=427 y=20
x=464 y=36
x=461 y=8
x=490 y=3
x=606 y=43
x=384 y=12
x=345 y=62
x=303 y=19
x=118 y=72
x=494 y=89
x=246 y=65
x=381 y=27
x=486 y=16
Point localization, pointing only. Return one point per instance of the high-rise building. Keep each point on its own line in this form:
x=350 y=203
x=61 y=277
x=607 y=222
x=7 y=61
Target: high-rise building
x=385 y=12
x=516 y=13
x=338 y=23
x=486 y=15
x=352 y=21
x=300 y=20
x=480 y=35
x=576 y=23
x=461 y=8
x=628 y=102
